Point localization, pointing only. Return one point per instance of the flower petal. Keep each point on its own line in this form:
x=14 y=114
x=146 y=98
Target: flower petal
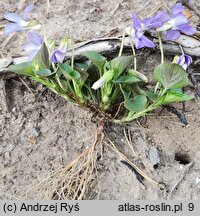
x=27 y=10
x=157 y=20
x=12 y=27
x=162 y=16
x=184 y=61
x=35 y=38
x=143 y=42
x=32 y=54
x=188 y=30
x=146 y=23
x=181 y=60
x=31 y=50
x=29 y=47
x=136 y=21
x=177 y=9
x=172 y=35
x=137 y=43
x=179 y=20
x=146 y=42
x=13 y=17
x=53 y=58
x=57 y=56
x=188 y=59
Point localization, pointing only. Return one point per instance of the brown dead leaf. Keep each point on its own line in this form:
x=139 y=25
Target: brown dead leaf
x=32 y=140
x=187 y=13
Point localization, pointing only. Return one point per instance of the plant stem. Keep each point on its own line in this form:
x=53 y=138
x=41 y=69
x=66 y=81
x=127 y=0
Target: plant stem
x=53 y=66
x=133 y=49
x=181 y=48
x=122 y=44
x=161 y=48
x=73 y=53
x=162 y=58
x=77 y=90
x=137 y=115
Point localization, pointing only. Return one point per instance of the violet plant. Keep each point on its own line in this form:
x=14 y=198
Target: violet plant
x=33 y=46
x=101 y=84
x=20 y=23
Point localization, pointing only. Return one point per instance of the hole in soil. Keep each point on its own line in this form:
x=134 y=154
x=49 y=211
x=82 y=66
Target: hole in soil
x=182 y=158
x=156 y=166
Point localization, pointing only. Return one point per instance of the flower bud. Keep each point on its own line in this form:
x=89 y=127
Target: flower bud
x=108 y=75
x=184 y=61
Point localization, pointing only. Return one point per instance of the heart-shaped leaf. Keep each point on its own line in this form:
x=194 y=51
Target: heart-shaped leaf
x=97 y=59
x=68 y=72
x=93 y=56
x=135 y=104
x=22 y=69
x=127 y=79
x=44 y=72
x=41 y=60
x=171 y=76
x=119 y=64
x=151 y=95
x=82 y=68
x=174 y=96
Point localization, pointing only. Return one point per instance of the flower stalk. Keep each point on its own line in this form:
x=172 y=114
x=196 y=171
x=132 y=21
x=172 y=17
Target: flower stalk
x=122 y=43
x=133 y=50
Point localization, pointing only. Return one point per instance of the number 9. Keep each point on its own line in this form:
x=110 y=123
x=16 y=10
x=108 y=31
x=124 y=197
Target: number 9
x=191 y=206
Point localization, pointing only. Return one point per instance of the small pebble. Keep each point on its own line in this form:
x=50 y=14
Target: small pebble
x=7 y=156
x=197 y=180
x=36 y=131
x=154 y=157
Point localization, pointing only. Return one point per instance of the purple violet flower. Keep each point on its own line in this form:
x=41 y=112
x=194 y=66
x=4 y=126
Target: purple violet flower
x=140 y=26
x=184 y=61
x=177 y=24
x=59 y=54
x=20 y=23
x=35 y=42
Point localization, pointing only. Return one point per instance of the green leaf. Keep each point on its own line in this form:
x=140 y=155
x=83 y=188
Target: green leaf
x=82 y=66
x=68 y=72
x=44 y=72
x=174 y=96
x=119 y=64
x=83 y=77
x=94 y=56
x=22 y=69
x=151 y=95
x=97 y=59
x=64 y=85
x=41 y=60
x=53 y=86
x=127 y=79
x=45 y=82
x=171 y=76
x=135 y=104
